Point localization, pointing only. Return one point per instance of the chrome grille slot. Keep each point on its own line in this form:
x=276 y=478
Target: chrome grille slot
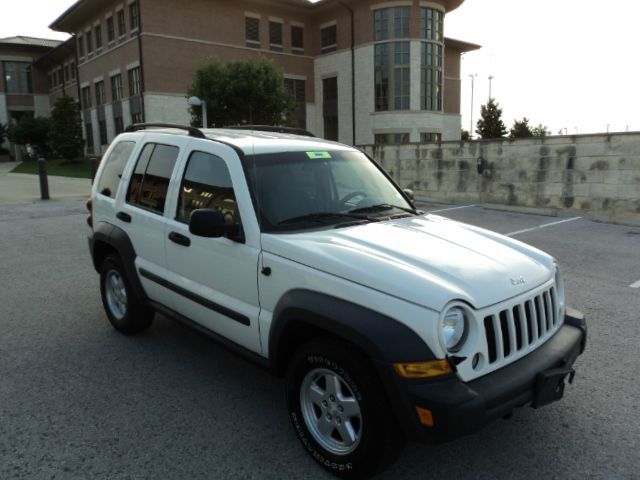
x=521 y=326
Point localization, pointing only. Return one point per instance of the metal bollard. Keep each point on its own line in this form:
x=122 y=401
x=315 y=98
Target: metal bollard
x=94 y=168
x=44 y=182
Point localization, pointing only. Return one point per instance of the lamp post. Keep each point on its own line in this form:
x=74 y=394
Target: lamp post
x=473 y=78
x=198 y=102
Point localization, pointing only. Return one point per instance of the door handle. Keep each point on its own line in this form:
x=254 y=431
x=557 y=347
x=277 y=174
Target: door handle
x=180 y=239
x=125 y=217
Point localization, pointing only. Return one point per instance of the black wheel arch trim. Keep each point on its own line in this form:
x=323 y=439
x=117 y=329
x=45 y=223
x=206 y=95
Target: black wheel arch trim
x=116 y=238
x=379 y=336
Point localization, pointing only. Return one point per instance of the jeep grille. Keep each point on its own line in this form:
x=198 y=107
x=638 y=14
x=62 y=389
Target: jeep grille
x=522 y=326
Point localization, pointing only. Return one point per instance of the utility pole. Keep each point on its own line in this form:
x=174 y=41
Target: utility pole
x=473 y=78
x=491 y=77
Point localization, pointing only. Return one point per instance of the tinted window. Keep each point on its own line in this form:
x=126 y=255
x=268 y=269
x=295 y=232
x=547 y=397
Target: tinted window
x=150 y=179
x=114 y=166
x=206 y=184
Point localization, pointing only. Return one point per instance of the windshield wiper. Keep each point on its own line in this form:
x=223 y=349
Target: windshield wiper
x=323 y=216
x=384 y=206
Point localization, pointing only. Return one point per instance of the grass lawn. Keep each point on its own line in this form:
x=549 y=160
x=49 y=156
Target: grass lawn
x=63 y=168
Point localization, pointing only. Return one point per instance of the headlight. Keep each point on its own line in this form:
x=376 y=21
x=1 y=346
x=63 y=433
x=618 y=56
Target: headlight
x=453 y=328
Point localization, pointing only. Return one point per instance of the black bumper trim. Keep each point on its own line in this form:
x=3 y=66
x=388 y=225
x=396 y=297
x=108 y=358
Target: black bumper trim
x=461 y=408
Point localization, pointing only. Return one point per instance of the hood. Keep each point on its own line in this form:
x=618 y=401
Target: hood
x=427 y=260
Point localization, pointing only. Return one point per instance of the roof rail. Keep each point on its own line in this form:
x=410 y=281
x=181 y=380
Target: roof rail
x=273 y=128
x=193 y=132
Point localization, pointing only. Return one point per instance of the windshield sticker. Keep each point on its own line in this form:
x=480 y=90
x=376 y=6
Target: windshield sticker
x=318 y=154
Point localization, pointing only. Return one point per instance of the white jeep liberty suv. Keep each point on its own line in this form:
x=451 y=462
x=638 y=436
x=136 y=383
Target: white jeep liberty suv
x=304 y=255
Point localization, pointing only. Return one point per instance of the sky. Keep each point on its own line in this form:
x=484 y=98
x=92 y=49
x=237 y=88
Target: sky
x=571 y=65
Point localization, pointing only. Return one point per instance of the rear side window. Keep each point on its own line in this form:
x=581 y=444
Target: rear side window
x=150 y=179
x=114 y=166
x=206 y=184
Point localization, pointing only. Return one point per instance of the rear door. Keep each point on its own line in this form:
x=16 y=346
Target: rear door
x=213 y=281
x=141 y=208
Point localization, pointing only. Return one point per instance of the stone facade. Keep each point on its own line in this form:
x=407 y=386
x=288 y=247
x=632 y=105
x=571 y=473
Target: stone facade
x=596 y=175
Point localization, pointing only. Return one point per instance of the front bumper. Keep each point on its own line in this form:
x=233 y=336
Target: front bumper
x=460 y=408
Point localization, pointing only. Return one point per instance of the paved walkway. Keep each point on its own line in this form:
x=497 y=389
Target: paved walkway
x=25 y=188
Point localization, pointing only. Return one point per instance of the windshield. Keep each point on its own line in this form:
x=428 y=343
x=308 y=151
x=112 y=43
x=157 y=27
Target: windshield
x=296 y=190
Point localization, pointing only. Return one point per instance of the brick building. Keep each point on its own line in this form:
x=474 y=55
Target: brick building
x=362 y=71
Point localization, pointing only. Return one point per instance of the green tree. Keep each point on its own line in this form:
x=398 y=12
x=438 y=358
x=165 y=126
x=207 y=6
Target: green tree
x=540 y=131
x=31 y=131
x=66 y=128
x=465 y=135
x=521 y=129
x=490 y=124
x=241 y=92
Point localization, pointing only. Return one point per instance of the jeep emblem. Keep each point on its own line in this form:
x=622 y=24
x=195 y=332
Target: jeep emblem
x=517 y=281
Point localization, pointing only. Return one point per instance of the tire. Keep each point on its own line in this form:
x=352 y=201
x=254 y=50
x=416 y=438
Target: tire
x=339 y=410
x=126 y=313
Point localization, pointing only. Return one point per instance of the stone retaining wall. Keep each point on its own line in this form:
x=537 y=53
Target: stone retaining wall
x=596 y=175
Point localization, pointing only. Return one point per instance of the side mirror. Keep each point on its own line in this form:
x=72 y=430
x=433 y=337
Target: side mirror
x=409 y=193
x=210 y=223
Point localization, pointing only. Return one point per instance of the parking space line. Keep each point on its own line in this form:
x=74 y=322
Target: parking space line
x=517 y=232
x=635 y=285
x=451 y=208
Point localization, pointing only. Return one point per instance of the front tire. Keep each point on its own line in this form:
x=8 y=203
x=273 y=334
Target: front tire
x=339 y=410
x=126 y=313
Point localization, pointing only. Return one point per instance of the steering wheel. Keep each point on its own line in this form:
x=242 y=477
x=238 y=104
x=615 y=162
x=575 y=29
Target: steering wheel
x=349 y=196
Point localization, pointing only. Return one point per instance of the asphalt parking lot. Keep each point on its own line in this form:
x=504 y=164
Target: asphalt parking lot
x=78 y=400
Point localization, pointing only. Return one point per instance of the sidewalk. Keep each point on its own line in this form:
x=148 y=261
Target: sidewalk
x=25 y=188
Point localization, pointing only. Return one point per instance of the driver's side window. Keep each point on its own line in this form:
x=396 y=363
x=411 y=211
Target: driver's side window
x=206 y=184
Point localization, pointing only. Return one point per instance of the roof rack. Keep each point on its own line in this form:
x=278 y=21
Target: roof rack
x=193 y=132
x=273 y=128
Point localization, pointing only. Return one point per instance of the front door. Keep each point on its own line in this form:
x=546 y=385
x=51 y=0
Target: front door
x=215 y=278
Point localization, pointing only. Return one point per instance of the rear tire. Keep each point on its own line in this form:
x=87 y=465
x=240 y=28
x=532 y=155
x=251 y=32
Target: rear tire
x=126 y=313
x=340 y=411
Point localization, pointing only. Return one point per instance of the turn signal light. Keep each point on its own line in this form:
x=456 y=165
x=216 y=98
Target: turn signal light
x=425 y=416
x=432 y=368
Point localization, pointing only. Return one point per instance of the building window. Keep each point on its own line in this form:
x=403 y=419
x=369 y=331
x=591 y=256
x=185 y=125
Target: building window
x=431 y=24
x=73 y=70
x=80 y=46
x=134 y=16
x=98 y=34
x=66 y=73
x=297 y=89
x=87 y=37
x=88 y=131
x=116 y=88
x=430 y=137
x=390 y=23
x=111 y=30
x=275 y=36
x=122 y=26
x=330 y=107
x=328 y=39
x=100 y=94
x=17 y=77
x=60 y=77
x=102 y=128
x=119 y=125
x=252 y=31
x=431 y=77
x=86 y=97
x=52 y=81
x=391 y=75
x=135 y=82
x=391 y=58
x=297 y=40
x=137 y=117
x=391 y=138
